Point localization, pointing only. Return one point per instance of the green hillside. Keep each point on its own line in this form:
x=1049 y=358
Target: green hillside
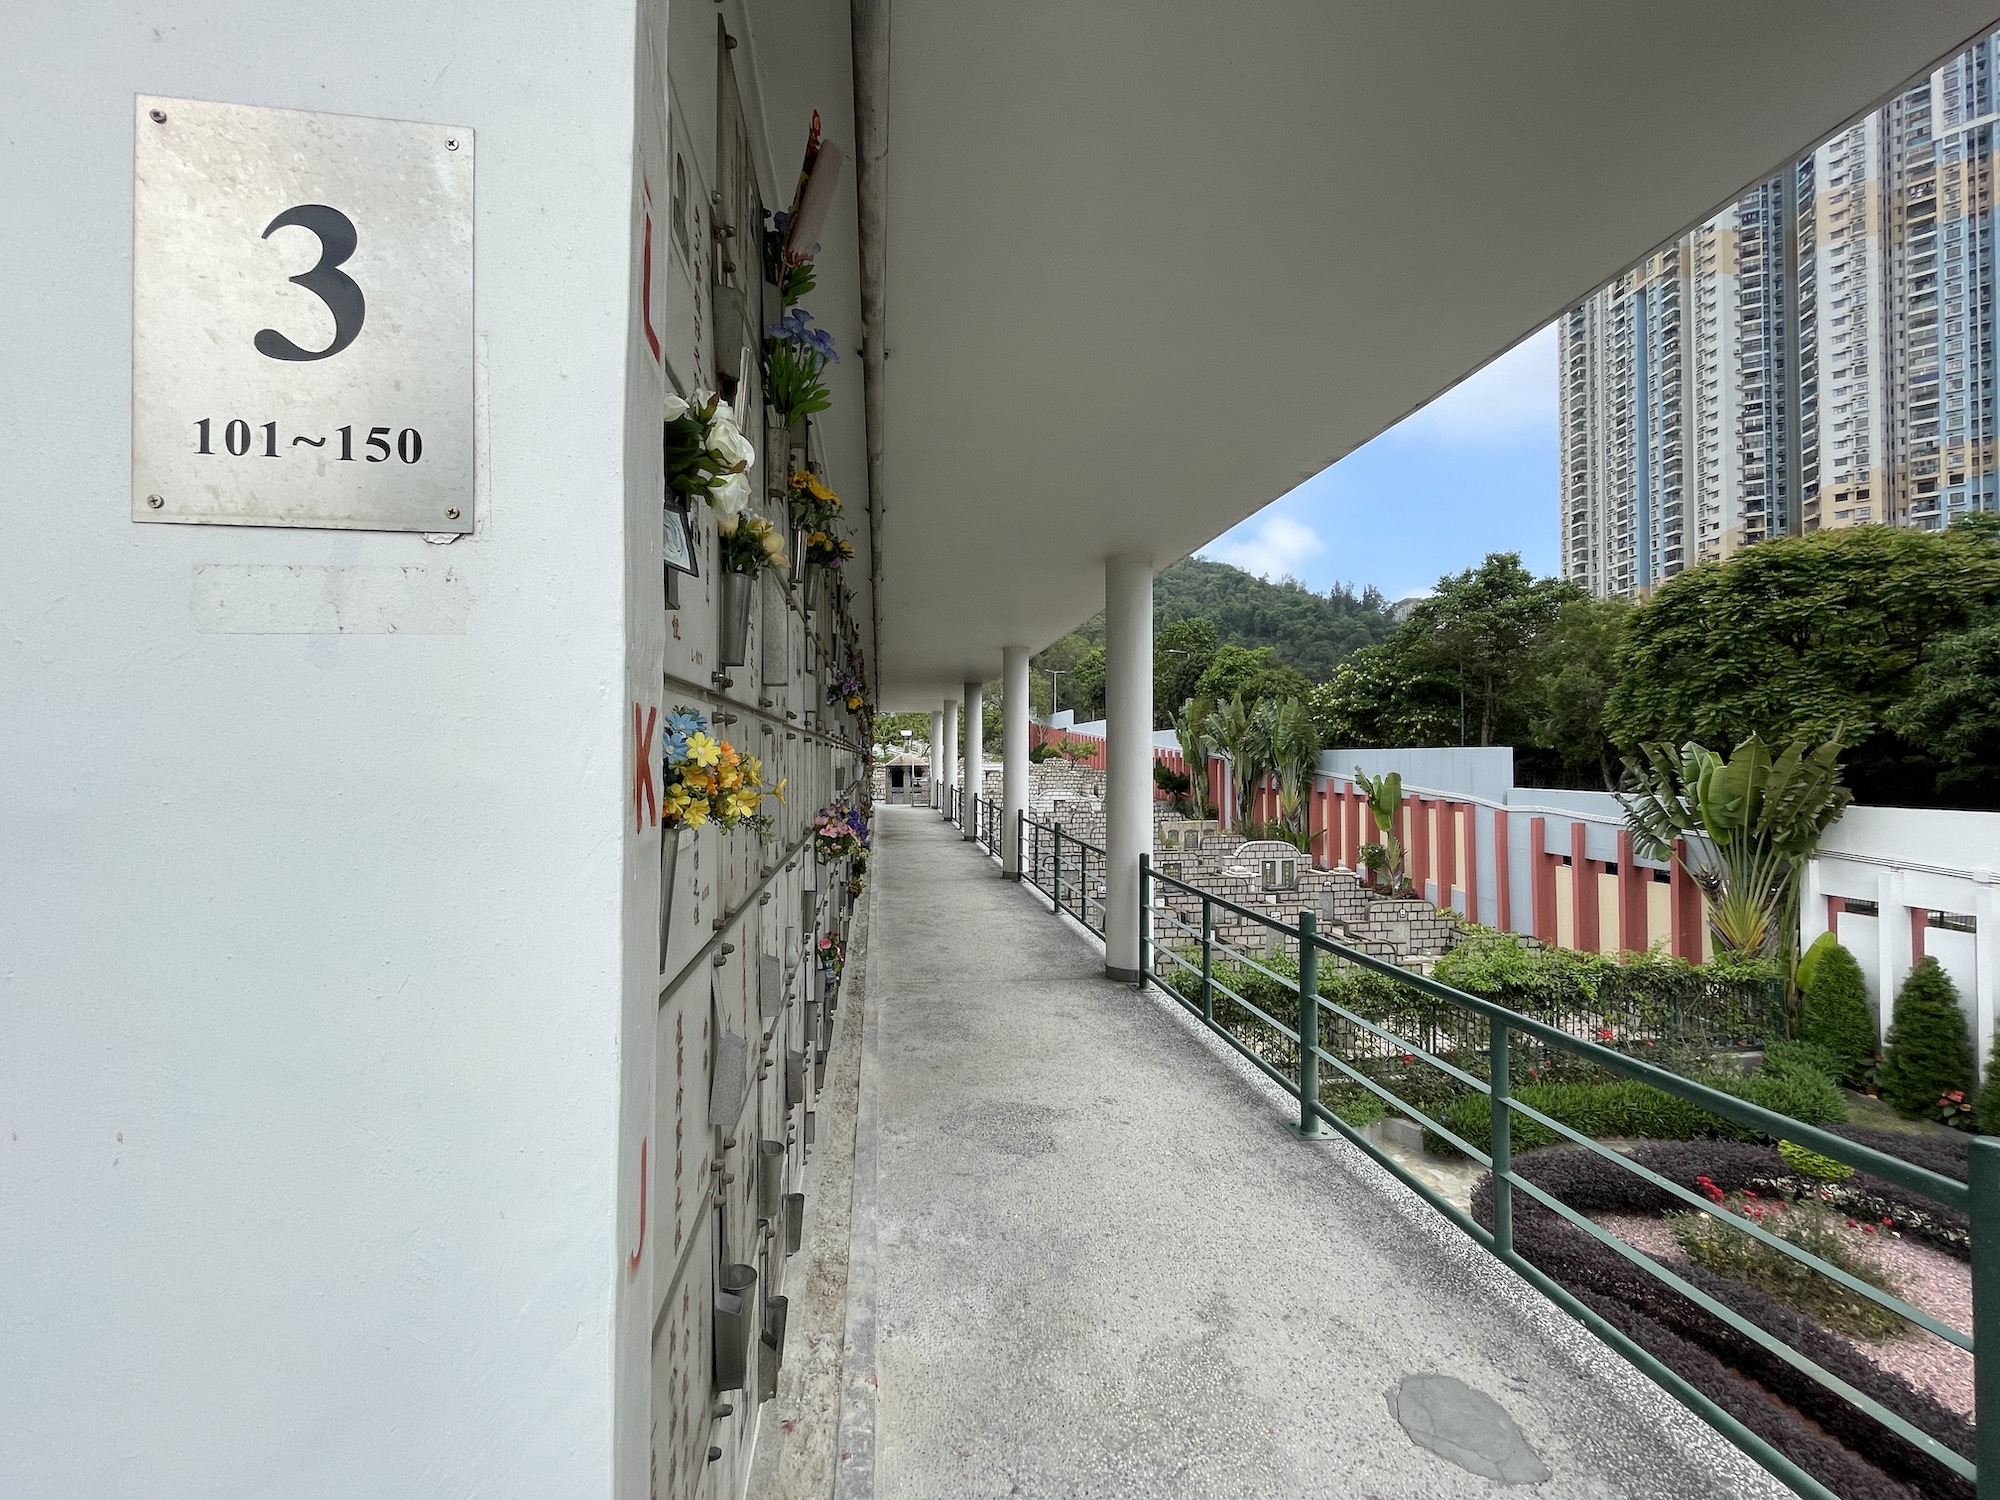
x=1308 y=632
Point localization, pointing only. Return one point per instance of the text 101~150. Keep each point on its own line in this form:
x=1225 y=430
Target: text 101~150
x=239 y=440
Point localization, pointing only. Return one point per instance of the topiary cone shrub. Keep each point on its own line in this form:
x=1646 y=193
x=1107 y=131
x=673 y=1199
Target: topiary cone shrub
x=1834 y=1011
x=1988 y=1118
x=1929 y=1055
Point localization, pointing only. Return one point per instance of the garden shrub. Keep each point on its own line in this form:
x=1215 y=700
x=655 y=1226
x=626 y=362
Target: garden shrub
x=1929 y=1057
x=1988 y=1116
x=1627 y=1107
x=1834 y=1012
x=1803 y=1093
x=1781 y=1057
x=1812 y=1164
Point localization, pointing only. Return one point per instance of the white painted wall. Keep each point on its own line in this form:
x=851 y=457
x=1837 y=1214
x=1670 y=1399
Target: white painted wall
x=308 y=1073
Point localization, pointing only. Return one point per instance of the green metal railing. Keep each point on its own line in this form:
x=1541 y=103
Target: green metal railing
x=1190 y=957
x=1070 y=872
x=986 y=822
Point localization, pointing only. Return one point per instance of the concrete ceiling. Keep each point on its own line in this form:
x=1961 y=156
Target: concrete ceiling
x=1150 y=265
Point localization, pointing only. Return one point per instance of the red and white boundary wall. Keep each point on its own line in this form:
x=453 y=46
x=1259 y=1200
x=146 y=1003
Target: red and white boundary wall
x=1895 y=884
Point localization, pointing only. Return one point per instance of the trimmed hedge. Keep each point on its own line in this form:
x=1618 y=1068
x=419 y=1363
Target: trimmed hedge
x=1630 y=1108
x=1730 y=1000
x=1834 y=1012
x=1850 y=1453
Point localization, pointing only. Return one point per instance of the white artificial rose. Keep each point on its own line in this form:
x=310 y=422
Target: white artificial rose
x=773 y=543
x=726 y=522
x=676 y=408
x=729 y=495
x=727 y=443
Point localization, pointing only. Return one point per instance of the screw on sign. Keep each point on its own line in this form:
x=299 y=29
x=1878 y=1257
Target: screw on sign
x=302 y=329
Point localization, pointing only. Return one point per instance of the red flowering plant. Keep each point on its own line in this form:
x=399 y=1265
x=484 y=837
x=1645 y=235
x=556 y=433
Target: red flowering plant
x=1954 y=1108
x=1717 y=1241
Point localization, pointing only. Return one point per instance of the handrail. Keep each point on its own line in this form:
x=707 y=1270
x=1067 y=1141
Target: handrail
x=1077 y=898
x=1741 y=1111
x=1303 y=1054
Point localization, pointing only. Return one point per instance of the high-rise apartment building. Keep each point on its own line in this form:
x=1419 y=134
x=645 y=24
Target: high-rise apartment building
x=1819 y=354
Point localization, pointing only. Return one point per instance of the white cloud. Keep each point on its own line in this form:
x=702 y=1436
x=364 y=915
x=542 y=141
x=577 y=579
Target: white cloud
x=1513 y=396
x=1271 y=547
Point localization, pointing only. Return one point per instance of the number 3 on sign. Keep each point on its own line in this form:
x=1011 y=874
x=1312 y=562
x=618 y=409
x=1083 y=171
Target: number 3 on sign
x=325 y=281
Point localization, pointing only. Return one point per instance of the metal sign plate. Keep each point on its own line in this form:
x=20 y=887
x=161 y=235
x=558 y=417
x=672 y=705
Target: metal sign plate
x=301 y=319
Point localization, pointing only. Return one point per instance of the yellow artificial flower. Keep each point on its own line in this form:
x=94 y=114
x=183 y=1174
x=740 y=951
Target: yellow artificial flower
x=804 y=479
x=778 y=791
x=703 y=750
x=697 y=814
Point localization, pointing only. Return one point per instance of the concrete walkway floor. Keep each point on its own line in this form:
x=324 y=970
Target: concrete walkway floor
x=1089 y=1259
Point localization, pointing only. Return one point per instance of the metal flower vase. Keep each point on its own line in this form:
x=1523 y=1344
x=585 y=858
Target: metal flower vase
x=739 y=592
x=771 y=1346
x=795 y=1079
x=735 y=1309
x=770 y=1179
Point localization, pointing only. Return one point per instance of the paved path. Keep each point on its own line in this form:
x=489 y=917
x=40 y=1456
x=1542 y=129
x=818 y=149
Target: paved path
x=1092 y=1261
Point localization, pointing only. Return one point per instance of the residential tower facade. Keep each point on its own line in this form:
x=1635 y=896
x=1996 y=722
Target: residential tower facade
x=1819 y=354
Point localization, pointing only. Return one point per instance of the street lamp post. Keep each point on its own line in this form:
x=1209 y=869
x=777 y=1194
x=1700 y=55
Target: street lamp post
x=1054 y=673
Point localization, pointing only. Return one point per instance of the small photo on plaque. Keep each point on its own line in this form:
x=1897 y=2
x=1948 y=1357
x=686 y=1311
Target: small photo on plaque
x=677 y=538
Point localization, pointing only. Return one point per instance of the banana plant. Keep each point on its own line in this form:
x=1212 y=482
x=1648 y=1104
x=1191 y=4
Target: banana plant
x=1191 y=729
x=1742 y=828
x=1291 y=745
x=1385 y=800
x=1232 y=731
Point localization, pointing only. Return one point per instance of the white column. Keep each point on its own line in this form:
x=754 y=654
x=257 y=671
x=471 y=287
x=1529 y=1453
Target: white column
x=972 y=760
x=1812 y=905
x=1894 y=952
x=1014 y=757
x=1986 y=971
x=937 y=758
x=947 y=756
x=1128 y=778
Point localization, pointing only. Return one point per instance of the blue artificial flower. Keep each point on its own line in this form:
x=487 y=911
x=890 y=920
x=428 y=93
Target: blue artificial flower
x=674 y=734
x=793 y=325
x=782 y=220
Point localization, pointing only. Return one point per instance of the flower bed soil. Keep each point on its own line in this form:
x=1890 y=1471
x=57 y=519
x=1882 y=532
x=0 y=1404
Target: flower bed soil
x=1938 y=1283
x=1852 y=1454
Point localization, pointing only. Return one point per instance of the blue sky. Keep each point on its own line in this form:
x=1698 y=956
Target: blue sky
x=1472 y=473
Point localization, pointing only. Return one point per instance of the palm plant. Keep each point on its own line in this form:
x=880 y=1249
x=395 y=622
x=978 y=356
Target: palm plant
x=1191 y=729
x=1291 y=749
x=1742 y=828
x=1385 y=800
x=1231 y=730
